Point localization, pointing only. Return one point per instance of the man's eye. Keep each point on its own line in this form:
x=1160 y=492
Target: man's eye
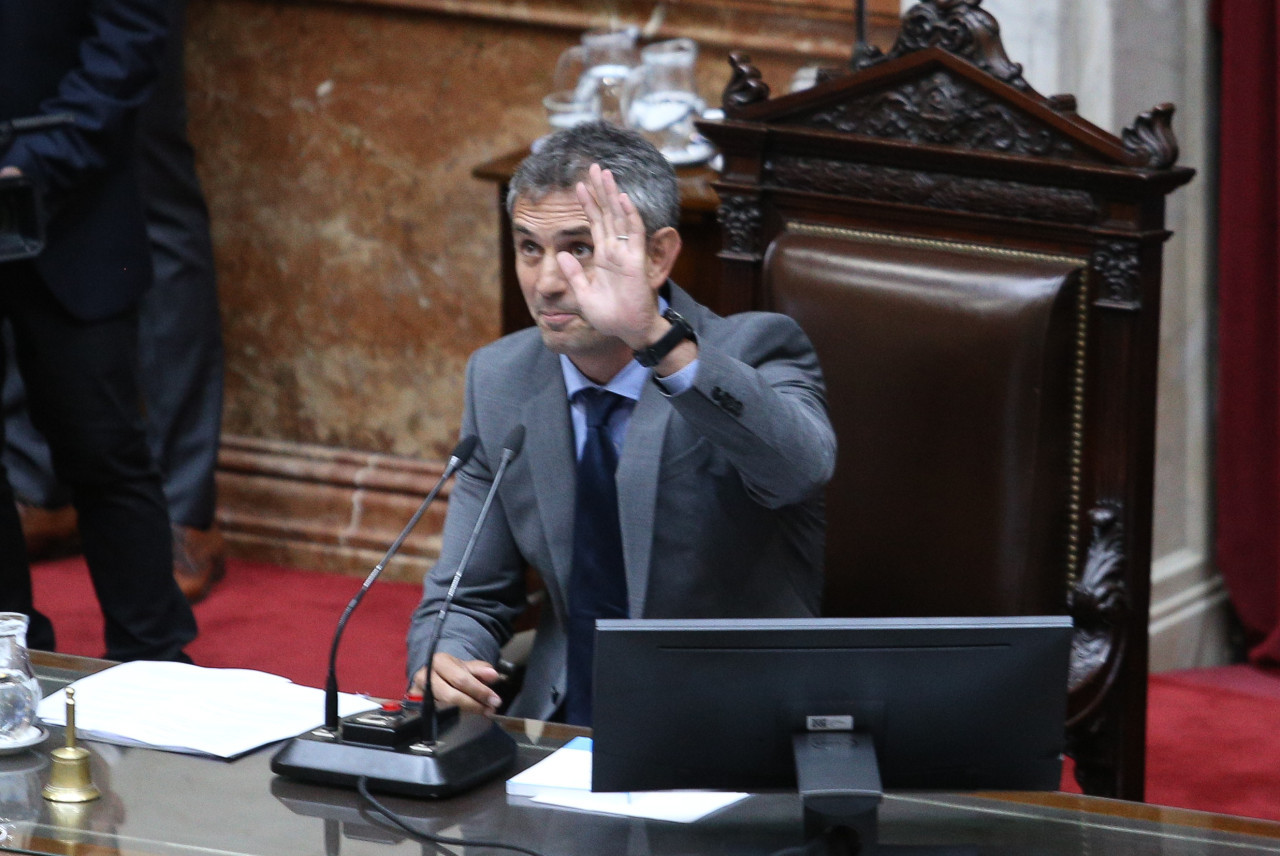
x=528 y=248
x=582 y=251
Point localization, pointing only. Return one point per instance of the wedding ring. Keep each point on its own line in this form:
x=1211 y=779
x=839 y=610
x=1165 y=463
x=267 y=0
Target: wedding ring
x=623 y=237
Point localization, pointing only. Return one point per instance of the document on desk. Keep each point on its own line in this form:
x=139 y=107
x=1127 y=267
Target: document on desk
x=563 y=779
x=183 y=708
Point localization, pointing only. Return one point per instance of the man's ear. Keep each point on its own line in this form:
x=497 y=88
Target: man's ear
x=661 y=249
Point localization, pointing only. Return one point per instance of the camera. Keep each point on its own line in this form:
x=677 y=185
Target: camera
x=21 y=226
x=21 y=235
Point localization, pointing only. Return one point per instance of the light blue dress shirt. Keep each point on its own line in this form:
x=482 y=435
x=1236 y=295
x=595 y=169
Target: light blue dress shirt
x=627 y=383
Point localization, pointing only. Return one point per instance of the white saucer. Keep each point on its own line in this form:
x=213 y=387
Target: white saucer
x=697 y=151
x=24 y=740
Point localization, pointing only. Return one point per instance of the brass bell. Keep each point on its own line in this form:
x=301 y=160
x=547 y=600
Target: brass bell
x=69 y=777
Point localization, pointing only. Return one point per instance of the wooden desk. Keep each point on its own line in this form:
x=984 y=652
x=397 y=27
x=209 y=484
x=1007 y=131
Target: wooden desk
x=697 y=270
x=160 y=803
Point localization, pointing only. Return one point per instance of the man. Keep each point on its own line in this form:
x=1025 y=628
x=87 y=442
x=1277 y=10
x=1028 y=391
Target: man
x=73 y=309
x=180 y=351
x=722 y=441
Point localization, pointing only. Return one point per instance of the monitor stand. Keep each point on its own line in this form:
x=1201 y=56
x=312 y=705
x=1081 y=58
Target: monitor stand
x=838 y=777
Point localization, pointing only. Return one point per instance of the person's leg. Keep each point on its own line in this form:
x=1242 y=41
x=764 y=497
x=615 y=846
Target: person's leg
x=44 y=506
x=82 y=389
x=180 y=334
x=180 y=328
x=15 y=570
x=26 y=455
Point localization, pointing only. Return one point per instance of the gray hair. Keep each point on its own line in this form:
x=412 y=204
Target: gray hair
x=640 y=170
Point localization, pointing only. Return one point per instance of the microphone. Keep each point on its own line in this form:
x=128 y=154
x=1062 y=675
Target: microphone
x=461 y=454
x=380 y=746
x=510 y=448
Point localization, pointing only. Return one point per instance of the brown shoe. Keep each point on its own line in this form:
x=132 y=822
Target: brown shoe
x=50 y=533
x=199 y=560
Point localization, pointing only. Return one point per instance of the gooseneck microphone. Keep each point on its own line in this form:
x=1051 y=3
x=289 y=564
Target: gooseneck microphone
x=461 y=454
x=385 y=749
x=510 y=448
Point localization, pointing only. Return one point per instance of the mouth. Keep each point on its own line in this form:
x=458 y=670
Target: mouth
x=556 y=318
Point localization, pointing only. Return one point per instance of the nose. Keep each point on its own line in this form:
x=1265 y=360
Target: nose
x=551 y=280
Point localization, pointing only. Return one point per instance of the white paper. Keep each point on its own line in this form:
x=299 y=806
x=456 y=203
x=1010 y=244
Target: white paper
x=183 y=708
x=563 y=779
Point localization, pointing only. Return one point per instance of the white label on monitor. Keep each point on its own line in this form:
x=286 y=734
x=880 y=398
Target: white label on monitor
x=829 y=723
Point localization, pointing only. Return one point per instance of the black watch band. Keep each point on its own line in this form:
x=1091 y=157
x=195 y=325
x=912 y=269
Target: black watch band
x=680 y=330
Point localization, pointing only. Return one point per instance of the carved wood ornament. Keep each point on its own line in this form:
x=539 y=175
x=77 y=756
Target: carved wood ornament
x=959 y=27
x=1099 y=604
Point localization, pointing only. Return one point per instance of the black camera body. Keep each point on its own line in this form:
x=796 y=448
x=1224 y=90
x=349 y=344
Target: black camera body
x=21 y=223
x=21 y=227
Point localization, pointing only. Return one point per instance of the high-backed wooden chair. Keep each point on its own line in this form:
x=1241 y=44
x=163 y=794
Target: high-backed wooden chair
x=979 y=269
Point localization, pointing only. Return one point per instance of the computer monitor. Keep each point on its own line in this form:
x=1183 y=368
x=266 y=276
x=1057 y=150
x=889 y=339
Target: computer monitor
x=838 y=707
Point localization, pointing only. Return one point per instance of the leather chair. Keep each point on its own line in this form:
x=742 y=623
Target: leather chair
x=979 y=270
x=950 y=385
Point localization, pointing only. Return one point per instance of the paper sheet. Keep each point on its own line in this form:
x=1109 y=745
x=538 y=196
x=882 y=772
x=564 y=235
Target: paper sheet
x=184 y=708
x=563 y=779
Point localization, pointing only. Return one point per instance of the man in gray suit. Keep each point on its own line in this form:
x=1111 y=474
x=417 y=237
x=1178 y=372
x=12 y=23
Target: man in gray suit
x=720 y=433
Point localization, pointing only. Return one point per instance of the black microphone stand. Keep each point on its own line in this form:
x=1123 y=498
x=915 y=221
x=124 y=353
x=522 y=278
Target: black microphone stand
x=433 y=717
x=384 y=748
x=461 y=454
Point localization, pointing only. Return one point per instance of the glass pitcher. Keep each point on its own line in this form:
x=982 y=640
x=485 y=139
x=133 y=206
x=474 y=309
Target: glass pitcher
x=661 y=100
x=591 y=75
x=19 y=689
x=21 y=778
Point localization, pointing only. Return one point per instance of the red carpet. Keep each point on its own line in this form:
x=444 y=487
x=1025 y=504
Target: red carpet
x=263 y=617
x=1213 y=739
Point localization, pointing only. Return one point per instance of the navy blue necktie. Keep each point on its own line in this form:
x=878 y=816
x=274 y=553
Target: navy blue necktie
x=598 y=583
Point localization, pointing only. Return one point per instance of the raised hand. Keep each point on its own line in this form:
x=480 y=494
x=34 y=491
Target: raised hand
x=617 y=295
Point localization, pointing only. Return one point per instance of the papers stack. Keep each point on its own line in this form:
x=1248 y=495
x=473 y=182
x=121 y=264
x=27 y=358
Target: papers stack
x=563 y=779
x=183 y=708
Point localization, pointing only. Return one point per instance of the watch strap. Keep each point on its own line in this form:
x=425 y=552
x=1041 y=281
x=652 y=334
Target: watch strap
x=680 y=330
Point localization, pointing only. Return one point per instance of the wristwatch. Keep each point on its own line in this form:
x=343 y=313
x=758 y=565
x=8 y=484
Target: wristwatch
x=680 y=330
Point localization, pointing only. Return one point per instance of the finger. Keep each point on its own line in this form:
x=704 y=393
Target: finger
x=456 y=682
x=419 y=682
x=604 y=231
x=572 y=270
x=631 y=217
x=589 y=195
x=617 y=205
x=623 y=236
x=466 y=685
x=612 y=197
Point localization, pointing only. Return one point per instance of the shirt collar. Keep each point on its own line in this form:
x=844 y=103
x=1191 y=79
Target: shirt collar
x=628 y=383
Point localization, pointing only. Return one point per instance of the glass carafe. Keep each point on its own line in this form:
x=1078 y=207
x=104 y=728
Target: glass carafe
x=21 y=777
x=19 y=689
x=591 y=75
x=661 y=100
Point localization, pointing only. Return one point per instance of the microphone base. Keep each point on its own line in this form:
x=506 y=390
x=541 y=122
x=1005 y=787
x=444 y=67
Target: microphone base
x=470 y=751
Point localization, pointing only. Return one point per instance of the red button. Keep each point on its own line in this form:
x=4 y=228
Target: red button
x=391 y=706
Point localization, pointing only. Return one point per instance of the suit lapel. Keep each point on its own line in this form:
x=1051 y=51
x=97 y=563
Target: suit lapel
x=637 y=478
x=549 y=441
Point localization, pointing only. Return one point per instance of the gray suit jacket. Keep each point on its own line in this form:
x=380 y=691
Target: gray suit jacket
x=719 y=494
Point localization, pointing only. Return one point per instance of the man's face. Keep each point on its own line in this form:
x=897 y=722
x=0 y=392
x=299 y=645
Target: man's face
x=553 y=224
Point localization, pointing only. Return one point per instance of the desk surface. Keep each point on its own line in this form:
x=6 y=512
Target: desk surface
x=165 y=803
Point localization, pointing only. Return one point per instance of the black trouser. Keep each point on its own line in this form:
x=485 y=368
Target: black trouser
x=82 y=391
